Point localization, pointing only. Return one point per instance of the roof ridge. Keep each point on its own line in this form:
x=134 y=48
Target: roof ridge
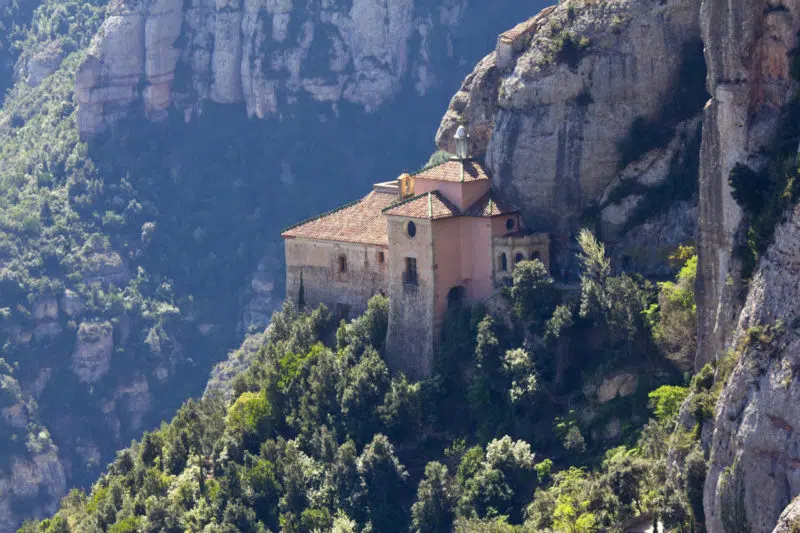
x=435 y=193
x=404 y=201
x=488 y=200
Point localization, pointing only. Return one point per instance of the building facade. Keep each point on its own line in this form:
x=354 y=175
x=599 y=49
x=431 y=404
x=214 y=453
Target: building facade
x=429 y=241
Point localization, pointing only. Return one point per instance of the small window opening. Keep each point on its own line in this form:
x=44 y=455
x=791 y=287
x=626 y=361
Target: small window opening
x=342 y=264
x=410 y=273
x=535 y=255
x=519 y=257
x=380 y=257
x=411 y=229
x=510 y=224
x=503 y=262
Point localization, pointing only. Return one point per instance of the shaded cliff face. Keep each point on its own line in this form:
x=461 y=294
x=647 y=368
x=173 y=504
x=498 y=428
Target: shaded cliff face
x=270 y=55
x=551 y=116
x=748 y=45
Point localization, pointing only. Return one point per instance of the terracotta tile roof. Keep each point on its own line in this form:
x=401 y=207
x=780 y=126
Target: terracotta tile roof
x=451 y=171
x=486 y=206
x=360 y=222
x=429 y=205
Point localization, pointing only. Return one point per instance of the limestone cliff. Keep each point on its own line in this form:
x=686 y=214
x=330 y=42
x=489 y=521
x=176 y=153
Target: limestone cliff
x=753 y=466
x=790 y=518
x=748 y=45
x=268 y=54
x=753 y=470
x=551 y=106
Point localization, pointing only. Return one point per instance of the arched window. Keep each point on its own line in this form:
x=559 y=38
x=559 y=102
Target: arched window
x=503 y=262
x=519 y=257
x=411 y=229
x=535 y=255
x=510 y=224
x=342 y=264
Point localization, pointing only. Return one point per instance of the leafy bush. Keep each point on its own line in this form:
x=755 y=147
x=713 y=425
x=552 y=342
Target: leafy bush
x=666 y=402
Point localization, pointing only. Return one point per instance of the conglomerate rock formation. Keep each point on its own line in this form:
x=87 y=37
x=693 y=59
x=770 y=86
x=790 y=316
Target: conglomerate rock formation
x=549 y=114
x=267 y=54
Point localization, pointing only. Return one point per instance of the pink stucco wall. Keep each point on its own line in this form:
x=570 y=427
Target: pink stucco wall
x=499 y=225
x=462 y=257
x=472 y=191
x=447 y=262
x=463 y=195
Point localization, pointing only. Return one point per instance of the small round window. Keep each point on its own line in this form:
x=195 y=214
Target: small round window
x=510 y=224
x=411 y=229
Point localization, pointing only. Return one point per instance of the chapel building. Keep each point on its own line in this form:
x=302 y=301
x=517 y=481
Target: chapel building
x=429 y=241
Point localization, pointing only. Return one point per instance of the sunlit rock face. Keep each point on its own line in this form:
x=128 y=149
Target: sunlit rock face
x=267 y=54
x=550 y=107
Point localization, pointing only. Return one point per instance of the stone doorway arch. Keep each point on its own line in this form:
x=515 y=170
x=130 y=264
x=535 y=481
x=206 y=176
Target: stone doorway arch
x=456 y=297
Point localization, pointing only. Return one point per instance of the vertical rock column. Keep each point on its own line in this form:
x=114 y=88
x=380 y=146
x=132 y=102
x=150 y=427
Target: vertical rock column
x=161 y=32
x=747 y=51
x=226 y=61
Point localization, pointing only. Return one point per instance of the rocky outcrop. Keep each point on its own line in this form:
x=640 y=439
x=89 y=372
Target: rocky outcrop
x=748 y=45
x=33 y=68
x=754 y=469
x=32 y=478
x=264 y=53
x=618 y=385
x=260 y=300
x=790 y=518
x=38 y=480
x=92 y=357
x=569 y=86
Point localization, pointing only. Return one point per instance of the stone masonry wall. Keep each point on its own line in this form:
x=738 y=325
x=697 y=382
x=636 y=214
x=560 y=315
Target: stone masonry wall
x=410 y=339
x=323 y=283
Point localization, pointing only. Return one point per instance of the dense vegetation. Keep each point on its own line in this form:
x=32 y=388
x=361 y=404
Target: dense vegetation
x=319 y=435
x=155 y=231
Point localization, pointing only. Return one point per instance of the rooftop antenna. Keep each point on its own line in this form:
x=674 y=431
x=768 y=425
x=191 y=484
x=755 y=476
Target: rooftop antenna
x=461 y=137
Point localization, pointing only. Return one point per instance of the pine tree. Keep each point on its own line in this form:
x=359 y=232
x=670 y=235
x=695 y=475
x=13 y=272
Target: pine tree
x=301 y=294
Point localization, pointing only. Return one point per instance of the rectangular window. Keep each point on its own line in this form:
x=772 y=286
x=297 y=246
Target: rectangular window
x=380 y=257
x=410 y=274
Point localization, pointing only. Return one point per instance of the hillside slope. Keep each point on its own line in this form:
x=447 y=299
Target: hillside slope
x=130 y=262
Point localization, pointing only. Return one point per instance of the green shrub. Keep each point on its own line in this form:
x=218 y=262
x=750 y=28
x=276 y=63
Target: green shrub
x=695 y=469
x=666 y=402
x=251 y=417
